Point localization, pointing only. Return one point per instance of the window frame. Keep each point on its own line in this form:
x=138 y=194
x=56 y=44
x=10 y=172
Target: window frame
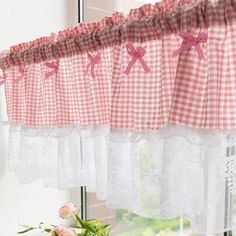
x=83 y=191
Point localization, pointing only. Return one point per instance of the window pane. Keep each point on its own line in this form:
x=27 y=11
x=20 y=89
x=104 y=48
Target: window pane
x=125 y=223
x=97 y=9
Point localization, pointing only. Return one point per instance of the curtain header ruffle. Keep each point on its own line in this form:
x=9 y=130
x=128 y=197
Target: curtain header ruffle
x=118 y=29
x=139 y=108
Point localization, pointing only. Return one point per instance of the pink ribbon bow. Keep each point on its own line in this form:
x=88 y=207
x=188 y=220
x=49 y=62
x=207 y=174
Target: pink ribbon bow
x=137 y=54
x=93 y=61
x=190 y=41
x=3 y=79
x=22 y=71
x=52 y=65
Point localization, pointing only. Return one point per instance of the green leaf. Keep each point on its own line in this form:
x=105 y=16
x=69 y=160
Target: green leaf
x=94 y=221
x=82 y=223
x=40 y=224
x=76 y=227
x=105 y=226
x=85 y=233
x=90 y=228
x=26 y=230
x=48 y=230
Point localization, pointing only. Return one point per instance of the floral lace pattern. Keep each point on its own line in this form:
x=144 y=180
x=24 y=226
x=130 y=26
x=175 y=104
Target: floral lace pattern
x=175 y=172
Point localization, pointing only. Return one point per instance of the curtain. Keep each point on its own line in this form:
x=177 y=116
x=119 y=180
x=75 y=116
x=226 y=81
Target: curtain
x=140 y=108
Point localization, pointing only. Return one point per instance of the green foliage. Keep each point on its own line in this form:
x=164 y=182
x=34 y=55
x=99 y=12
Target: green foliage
x=92 y=227
x=134 y=225
x=87 y=228
x=26 y=230
x=140 y=226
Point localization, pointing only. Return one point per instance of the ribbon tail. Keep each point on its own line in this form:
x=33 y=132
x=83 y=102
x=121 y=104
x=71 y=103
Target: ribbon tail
x=93 y=70
x=87 y=69
x=130 y=65
x=53 y=66
x=145 y=67
x=22 y=74
x=199 y=51
x=177 y=52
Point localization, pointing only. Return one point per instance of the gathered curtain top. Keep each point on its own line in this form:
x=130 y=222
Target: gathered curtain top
x=175 y=67
x=146 y=23
x=139 y=108
x=144 y=12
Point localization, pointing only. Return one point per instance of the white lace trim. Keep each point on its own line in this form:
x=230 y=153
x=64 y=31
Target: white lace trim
x=176 y=171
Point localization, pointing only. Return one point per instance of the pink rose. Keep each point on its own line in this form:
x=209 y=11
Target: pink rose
x=67 y=211
x=57 y=231
x=68 y=232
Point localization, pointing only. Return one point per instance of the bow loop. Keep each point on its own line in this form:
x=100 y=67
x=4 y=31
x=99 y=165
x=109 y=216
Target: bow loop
x=53 y=66
x=137 y=54
x=22 y=71
x=141 y=51
x=203 y=37
x=130 y=49
x=190 y=41
x=186 y=36
x=93 y=61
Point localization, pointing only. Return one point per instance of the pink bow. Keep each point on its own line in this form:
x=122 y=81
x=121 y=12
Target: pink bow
x=190 y=41
x=3 y=79
x=137 y=54
x=53 y=66
x=93 y=61
x=22 y=72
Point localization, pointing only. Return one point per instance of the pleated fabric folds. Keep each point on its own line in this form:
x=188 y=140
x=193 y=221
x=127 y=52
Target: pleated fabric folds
x=140 y=108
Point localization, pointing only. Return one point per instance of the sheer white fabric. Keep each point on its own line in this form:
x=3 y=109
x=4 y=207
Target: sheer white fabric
x=173 y=172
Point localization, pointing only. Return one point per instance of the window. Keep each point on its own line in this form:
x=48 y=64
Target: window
x=124 y=222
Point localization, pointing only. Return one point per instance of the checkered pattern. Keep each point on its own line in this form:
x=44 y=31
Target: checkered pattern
x=149 y=22
x=141 y=101
x=181 y=90
x=70 y=96
x=204 y=92
x=35 y=43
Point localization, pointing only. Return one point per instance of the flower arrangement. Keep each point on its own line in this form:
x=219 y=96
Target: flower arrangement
x=79 y=228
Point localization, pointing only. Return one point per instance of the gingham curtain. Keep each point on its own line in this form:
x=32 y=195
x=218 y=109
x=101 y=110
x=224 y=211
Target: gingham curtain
x=140 y=108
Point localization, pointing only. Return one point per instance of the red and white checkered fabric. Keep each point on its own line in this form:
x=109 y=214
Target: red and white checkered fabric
x=147 y=23
x=69 y=96
x=182 y=90
x=142 y=101
x=204 y=92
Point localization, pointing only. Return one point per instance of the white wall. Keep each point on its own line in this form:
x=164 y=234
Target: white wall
x=24 y=20
x=97 y=9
